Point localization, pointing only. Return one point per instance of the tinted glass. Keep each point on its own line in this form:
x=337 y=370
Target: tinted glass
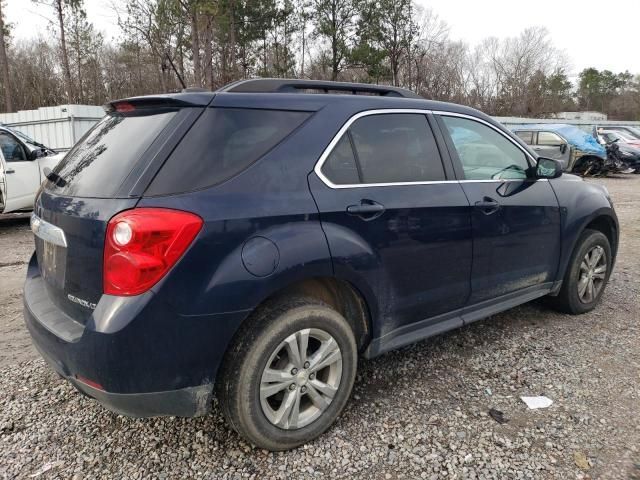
x=98 y=164
x=340 y=166
x=484 y=153
x=222 y=143
x=11 y=148
x=526 y=137
x=548 y=138
x=395 y=148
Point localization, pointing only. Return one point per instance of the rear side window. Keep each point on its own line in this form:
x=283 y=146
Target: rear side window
x=549 y=138
x=222 y=143
x=98 y=164
x=389 y=148
x=526 y=137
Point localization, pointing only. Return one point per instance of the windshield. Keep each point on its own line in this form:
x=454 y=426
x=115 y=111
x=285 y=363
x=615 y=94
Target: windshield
x=25 y=138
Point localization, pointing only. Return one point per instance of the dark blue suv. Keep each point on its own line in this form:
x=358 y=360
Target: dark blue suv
x=250 y=243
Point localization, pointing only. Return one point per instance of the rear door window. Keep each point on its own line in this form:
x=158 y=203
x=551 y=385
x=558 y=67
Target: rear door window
x=395 y=148
x=526 y=137
x=222 y=143
x=389 y=148
x=549 y=139
x=99 y=163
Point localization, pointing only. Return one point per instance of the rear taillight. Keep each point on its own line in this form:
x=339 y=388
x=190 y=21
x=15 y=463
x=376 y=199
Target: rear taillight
x=141 y=246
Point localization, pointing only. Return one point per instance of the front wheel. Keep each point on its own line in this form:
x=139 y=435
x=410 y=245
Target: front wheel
x=589 y=166
x=587 y=274
x=289 y=374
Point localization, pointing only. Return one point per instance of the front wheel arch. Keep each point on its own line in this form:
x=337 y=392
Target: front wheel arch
x=567 y=300
x=606 y=226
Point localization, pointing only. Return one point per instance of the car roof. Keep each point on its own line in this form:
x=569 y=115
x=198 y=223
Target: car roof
x=291 y=94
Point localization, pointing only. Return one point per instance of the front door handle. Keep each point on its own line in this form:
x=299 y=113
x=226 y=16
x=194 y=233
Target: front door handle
x=366 y=209
x=10 y=170
x=488 y=205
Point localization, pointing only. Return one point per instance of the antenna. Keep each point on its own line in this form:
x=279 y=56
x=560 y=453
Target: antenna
x=166 y=54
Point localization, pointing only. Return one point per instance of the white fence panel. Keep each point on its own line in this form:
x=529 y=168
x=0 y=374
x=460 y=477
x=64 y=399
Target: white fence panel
x=57 y=127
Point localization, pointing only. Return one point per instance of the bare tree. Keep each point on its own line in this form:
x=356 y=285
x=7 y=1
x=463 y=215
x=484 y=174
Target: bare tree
x=334 y=22
x=6 y=80
x=58 y=7
x=212 y=42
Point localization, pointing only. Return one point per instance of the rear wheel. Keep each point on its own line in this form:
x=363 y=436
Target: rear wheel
x=587 y=274
x=289 y=374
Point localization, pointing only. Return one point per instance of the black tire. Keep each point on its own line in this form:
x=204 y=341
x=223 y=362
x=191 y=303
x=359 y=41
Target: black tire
x=239 y=381
x=568 y=300
x=588 y=165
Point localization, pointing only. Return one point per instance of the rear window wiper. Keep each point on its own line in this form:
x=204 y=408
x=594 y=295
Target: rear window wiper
x=53 y=177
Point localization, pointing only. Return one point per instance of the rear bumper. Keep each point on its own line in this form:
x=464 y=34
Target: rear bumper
x=135 y=356
x=183 y=402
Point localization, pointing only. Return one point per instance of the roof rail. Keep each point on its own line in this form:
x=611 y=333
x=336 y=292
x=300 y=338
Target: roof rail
x=281 y=85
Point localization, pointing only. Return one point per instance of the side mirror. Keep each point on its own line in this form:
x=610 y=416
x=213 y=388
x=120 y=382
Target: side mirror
x=548 y=168
x=36 y=154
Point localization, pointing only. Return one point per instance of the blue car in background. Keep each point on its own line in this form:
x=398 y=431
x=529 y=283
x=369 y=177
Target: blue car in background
x=576 y=150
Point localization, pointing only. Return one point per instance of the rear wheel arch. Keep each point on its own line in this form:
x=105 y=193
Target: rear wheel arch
x=340 y=295
x=243 y=392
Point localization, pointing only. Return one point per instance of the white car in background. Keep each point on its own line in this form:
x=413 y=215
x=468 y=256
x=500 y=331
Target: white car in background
x=22 y=169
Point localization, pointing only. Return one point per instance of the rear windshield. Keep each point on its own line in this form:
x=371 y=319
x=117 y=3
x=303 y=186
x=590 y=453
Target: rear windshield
x=221 y=144
x=98 y=164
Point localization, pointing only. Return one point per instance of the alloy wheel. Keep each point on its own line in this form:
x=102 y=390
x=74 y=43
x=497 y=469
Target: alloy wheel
x=592 y=275
x=301 y=378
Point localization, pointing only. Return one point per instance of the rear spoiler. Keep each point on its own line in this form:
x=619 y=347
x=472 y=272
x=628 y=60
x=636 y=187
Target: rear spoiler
x=177 y=100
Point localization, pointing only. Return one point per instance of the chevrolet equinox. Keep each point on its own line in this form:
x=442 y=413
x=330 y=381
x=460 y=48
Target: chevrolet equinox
x=251 y=243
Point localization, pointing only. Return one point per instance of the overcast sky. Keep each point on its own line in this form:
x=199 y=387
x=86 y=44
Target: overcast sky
x=605 y=35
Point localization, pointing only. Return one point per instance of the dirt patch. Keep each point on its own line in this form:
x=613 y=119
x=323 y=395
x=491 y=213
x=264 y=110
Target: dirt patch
x=16 y=247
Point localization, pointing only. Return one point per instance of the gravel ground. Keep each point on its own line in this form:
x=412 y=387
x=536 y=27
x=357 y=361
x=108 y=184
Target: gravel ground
x=421 y=412
x=16 y=246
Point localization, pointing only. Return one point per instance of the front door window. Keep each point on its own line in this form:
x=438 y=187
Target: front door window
x=484 y=153
x=12 y=150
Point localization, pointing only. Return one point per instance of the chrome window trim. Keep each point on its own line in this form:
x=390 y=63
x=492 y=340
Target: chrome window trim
x=47 y=231
x=338 y=136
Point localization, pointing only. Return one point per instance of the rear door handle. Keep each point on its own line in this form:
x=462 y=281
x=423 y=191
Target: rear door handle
x=488 y=205
x=366 y=209
x=10 y=171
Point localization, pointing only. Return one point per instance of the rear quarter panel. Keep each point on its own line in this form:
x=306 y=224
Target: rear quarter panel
x=270 y=200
